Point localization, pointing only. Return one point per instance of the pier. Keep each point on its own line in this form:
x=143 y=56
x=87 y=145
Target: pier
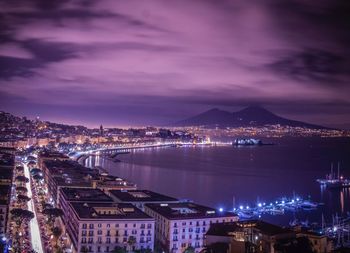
x=113 y=152
x=277 y=207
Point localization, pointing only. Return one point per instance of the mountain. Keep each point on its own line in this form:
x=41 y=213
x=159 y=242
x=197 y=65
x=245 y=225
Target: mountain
x=250 y=116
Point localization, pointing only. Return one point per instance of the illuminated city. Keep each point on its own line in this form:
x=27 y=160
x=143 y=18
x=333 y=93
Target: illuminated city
x=174 y=126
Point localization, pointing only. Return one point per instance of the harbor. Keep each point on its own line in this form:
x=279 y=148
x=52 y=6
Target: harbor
x=334 y=181
x=277 y=207
x=337 y=228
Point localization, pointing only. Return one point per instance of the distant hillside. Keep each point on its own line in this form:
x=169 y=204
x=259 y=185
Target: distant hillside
x=250 y=116
x=7 y=120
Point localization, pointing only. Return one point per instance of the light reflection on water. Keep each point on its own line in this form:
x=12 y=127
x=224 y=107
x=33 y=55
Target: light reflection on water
x=215 y=176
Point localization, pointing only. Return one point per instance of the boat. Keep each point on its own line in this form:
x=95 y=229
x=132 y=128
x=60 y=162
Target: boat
x=249 y=142
x=308 y=205
x=296 y=222
x=333 y=181
x=247 y=214
x=246 y=142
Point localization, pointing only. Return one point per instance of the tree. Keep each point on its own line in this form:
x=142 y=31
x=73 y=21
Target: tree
x=217 y=247
x=56 y=232
x=31 y=163
x=20 y=168
x=52 y=214
x=147 y=250
x=189 y=249
x=118 y=249
x=31 y=158
x=59 y=250
x=46 y=205
x=131 y=242
x=22 y=198
x=35 y=171
x=20 y=215
x=84 y=249
x=22 y=179
x=21 y=189
x=38 y=177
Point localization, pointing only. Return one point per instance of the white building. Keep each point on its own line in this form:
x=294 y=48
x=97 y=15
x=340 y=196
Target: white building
x=183 y=225
x=95 y=223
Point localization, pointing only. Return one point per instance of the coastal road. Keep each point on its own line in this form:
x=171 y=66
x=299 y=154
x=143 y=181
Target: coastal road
x=34 y=226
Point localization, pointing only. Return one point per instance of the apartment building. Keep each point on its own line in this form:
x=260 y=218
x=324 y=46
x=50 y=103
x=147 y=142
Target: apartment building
x=95 y=223
x=183 y=225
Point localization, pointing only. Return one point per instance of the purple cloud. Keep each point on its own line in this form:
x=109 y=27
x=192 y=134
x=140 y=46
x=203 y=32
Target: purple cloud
x=157 y=62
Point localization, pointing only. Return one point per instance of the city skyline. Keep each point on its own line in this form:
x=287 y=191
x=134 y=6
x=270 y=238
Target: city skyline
x=138 y=63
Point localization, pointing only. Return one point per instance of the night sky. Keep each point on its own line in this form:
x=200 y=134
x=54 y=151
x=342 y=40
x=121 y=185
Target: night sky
x=155 y=62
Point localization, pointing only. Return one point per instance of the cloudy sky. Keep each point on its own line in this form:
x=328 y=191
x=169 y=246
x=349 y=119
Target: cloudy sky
x=154 y=62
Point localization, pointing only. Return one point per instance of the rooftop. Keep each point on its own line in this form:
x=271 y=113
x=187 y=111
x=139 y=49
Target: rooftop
x=141 y=196
x=85 y=195
x=109 y=180
x=224 y=229
x=310 y=233
x=108 y=211
x=53 y=154
x=187 y=210
x=70 y=173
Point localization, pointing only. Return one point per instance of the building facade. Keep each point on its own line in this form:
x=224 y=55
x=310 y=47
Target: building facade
x=248 y=236
x=95 y=223
x=180 y=226
x=7 y=164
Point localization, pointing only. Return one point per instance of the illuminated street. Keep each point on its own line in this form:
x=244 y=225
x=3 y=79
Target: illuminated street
x=175 y=126
x=34 y=227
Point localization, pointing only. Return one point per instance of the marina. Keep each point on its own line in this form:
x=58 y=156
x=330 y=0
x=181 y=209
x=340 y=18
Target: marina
x=337 y=228
x=334 y=181
x=278 y=207
x=249 y=142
